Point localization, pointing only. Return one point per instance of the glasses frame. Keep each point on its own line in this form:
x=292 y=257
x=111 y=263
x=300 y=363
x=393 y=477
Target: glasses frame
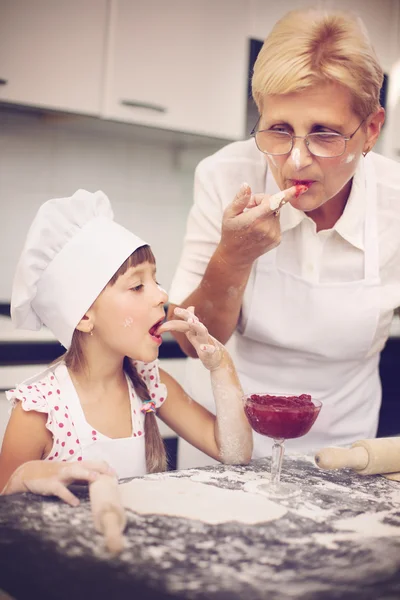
x=346 y=138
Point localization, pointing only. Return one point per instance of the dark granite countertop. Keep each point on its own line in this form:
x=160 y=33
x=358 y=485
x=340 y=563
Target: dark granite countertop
x=339 y=539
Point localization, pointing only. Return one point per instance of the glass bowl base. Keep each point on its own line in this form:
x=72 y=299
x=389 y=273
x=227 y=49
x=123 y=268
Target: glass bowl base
x=273 y=491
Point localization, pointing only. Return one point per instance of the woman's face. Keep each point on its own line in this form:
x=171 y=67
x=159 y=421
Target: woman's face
x=323 y=108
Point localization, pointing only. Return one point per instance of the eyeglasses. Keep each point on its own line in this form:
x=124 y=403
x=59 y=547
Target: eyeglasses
x=323 y=145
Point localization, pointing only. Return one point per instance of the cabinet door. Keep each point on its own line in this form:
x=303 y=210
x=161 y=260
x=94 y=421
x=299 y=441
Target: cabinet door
x=52 y=52
x=179 y=65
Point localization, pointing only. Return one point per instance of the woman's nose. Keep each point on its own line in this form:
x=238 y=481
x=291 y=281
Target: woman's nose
x=300 y=154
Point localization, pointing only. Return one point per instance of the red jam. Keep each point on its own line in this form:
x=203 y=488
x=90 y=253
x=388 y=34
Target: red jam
x=281 y=417
x=301 y=188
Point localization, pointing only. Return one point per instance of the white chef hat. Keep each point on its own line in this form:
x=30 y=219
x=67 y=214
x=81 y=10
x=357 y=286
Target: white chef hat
x=72 y=250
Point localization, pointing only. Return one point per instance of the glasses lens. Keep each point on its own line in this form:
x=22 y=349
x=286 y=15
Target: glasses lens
x=326 y=145
x=274 y=142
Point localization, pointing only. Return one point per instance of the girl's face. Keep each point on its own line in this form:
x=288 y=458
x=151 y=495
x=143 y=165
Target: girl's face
x=323 y=108
x=125 y=314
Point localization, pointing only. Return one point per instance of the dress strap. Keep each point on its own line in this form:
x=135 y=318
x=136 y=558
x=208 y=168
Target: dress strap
x=70 y=396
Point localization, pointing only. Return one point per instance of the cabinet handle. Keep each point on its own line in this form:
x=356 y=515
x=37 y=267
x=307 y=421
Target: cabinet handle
x=3 y=81
x=146 y=105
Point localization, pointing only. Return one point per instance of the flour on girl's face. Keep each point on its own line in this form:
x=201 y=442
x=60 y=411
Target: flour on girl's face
x=128 y=322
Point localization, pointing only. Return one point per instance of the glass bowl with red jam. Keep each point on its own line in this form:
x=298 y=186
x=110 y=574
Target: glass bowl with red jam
x=281 y=417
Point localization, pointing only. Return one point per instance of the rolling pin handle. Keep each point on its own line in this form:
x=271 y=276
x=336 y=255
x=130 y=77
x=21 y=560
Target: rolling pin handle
x=111 y=525
x=342 y=458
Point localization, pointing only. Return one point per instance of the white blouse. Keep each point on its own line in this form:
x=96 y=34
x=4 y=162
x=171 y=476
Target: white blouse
x=334 y=255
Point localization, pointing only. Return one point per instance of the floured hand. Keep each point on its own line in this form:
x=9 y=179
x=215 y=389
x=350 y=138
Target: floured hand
x=250 y=226
x=52 y=478
x=209 y=350
x=232 y=432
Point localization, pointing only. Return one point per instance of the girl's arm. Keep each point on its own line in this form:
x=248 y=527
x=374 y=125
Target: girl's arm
x=226 y=437
x=26 y=438
x=21 y=469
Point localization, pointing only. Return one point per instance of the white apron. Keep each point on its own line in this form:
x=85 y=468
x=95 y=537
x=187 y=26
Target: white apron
x=314 y=338
x=125 y=455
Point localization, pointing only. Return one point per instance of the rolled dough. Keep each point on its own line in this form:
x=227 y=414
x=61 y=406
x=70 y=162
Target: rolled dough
x=181 y=497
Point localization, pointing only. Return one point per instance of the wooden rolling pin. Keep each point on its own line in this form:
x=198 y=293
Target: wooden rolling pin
x=366 y=457
x=108 y=512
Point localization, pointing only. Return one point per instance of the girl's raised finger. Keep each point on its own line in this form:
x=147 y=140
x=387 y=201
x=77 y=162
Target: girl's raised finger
x=185 y=313
x=173 y=325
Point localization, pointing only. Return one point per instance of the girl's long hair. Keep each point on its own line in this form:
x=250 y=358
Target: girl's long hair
x=74 y=358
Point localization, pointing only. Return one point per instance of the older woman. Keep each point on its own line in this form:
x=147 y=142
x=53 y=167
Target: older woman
x=306 y=292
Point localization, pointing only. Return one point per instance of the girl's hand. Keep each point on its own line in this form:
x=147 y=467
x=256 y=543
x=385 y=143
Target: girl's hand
x=52 y=478
x=209 y=350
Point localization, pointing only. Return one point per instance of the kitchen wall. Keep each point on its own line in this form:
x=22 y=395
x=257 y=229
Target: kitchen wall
x=147 y=176
x=147 y=173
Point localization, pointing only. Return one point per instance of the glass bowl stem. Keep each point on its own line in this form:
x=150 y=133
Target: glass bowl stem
x=278 y=450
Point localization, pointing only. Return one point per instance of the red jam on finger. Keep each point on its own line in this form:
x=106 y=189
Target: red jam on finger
x=301 y=188
x=281 y=417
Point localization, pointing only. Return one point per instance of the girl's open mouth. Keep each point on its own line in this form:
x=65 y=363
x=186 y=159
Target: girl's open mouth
x=153 y=331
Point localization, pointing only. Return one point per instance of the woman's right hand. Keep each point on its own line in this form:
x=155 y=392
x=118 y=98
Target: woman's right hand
x=250 y=226
x=52 y=478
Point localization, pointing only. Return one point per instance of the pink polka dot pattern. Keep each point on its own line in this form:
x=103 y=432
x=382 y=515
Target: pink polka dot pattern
x=150 y=374
x=44 y=395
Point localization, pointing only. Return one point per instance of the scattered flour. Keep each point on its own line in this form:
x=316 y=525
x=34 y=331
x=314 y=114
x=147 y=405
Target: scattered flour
x=208 y=476
x=296 y=158
x=369 y=525
x=349 y=158
x=313 y=512
x=276 y=199
x=360 y=527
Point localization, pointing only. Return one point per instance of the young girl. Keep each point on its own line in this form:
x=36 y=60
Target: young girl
x=93 y=284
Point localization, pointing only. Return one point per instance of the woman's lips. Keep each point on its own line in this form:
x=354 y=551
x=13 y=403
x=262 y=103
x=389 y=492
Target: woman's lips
x=306 y=182
x=302 y=185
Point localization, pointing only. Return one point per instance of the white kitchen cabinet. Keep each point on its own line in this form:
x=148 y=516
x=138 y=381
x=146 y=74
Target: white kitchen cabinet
x=179 y=65
x=52 y=53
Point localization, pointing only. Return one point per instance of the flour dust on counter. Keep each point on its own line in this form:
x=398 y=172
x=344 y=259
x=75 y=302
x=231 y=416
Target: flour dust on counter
x=339 y=538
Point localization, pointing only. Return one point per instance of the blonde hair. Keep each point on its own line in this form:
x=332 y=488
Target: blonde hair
x=309 y=47
x=74 y=358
